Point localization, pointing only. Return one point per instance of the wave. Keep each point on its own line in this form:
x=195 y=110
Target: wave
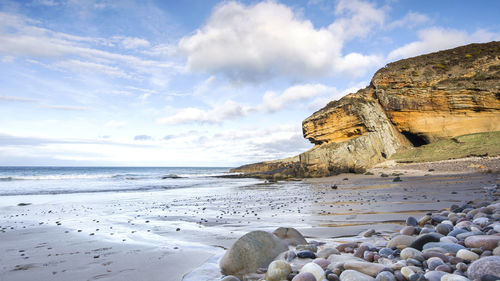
x=57 y=177
x=74 y=191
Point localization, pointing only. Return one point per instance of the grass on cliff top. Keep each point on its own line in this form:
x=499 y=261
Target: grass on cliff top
x=480 y=144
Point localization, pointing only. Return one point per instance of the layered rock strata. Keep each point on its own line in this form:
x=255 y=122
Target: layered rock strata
x=410 y=102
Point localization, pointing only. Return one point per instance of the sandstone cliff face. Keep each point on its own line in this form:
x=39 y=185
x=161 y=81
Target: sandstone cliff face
x=409 y=102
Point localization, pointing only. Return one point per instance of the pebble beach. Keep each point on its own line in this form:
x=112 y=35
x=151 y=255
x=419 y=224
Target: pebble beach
x=185 y=234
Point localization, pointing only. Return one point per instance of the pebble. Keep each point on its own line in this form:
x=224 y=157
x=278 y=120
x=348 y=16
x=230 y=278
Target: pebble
x=385 y=276
x=278 y=270
x=424 y=239
x=453 y=277
x=434 y=275
x=367 y=268
x=315 y=269
x=411 y=221
x=352 y=275
x=467 y=255
x=406 y=271
x=325 y=253
x=449 y=247
x=321 y=262
x=306 y=254
x=401 y=241
x=487 y=242
x=411 y=253
x=444 y=228
x=483 y=266
x=304 y=276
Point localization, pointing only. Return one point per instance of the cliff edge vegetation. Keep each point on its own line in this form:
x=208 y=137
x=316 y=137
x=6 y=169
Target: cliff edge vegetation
x=431 y=107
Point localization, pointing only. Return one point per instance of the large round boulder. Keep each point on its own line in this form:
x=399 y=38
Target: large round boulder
x=484 y=266
x=291 y=235
x=251 y=251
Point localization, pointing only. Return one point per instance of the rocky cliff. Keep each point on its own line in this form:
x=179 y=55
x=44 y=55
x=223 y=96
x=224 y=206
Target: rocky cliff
x=410 y=102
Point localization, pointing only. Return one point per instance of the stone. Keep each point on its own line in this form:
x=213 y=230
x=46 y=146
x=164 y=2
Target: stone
x=332 y=277
x=434 y=262
x=304 y=276
x=434 y=275
x=361 y=250
x=449 y=247
x=408 y=253
x=385 y=252
x=443 y=228
x=423 y=220
x=343 y=246
x=467 y=255
x=483 y=266
x=385 y=276
x=487 y=242
x=307 y=247
x=368 y=233
x=407 y=272
x=306 y=255
x=367 y=268
x=290 y=255
x=322 y=262
x=352 y=275
x=453 y=277
x=489 y=277
x=463 y=236
x=253 y=250
x=407 y=230
x=448 y=239
x=411 y=221
x=424 y=239
x=315 y=269
x=456 y=231
x=496 y=251
x=290 y=235
x=325 y=253
x=444 y=267
x=401 y=240
x=278 y=270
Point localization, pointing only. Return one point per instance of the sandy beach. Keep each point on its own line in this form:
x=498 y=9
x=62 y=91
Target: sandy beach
x=172 y=234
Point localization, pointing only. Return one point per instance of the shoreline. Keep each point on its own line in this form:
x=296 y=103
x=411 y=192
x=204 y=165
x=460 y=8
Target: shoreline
x=211 y=219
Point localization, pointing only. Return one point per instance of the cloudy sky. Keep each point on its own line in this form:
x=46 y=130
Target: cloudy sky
x=199 y=82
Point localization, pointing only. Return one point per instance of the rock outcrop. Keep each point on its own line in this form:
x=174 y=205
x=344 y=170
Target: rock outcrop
x=410 y=102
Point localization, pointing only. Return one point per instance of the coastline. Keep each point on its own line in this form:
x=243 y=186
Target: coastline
x=210 y=220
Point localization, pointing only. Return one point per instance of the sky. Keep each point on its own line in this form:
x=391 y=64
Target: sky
x=199 y=82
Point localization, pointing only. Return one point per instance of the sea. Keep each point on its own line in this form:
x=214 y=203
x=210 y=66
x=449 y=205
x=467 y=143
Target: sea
x=64 y=180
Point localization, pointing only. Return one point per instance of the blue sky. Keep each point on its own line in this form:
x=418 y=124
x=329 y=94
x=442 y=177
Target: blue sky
x=198 y=82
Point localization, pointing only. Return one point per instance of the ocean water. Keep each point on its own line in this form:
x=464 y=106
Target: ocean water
x=66 y=180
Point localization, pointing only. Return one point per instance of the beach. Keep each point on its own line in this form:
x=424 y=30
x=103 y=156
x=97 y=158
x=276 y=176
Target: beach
x=180 y=234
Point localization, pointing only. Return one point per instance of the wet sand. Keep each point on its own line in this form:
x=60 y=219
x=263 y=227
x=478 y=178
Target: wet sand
x=165 y=235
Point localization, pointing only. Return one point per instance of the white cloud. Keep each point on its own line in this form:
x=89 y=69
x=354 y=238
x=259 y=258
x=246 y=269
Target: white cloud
x=272 y=102
x=356 y=64
x=132 y=42
x=17 y=99
x=21 y=37
x=251 y=42
x=65 y=107
x=220 y=113
x=115 y=124
x=411 y=19
x=358 y=18
x=436 y=39
x=92 y=67
x=261 y=41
